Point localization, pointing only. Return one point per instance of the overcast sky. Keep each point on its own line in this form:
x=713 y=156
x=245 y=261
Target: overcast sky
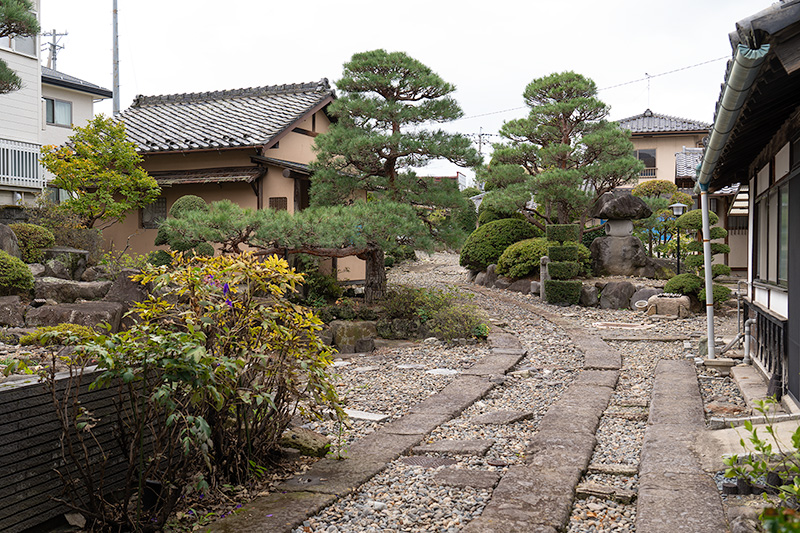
x=489 y=50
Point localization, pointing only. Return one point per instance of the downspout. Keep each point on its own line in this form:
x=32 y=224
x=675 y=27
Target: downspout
x=738 y=83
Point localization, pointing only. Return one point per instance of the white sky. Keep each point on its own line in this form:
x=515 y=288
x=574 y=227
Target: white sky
x=489 y=50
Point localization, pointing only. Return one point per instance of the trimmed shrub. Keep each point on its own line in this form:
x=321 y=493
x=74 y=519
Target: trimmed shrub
x=563 y=232
x=563 y=269
x=684 y=284
x=695 y=261
x=716 y=247
x=521 y=259
x=188 y=202
x=159 y=258
x=720 y=292
x=694 y=219
x=204 y=249
x=718 y=233
x=15 y=276
x=717 y=270
x=32 y=240
x=589 y=236
x=560 y=291
x=64 y=334
x=563 y=253
x=487 y=243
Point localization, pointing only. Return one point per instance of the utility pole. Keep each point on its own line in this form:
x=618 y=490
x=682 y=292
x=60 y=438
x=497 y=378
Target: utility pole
x=115 y=39
x=53 y=47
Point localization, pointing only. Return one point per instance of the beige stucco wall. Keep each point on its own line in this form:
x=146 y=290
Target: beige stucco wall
x=299 y=146
x=666 y=148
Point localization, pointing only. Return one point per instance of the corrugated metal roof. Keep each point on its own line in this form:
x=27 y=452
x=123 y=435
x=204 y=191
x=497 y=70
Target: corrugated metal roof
x=219 y=119
x=209 y=175
x=649 y=122
x=686 y=162
x=54 y=77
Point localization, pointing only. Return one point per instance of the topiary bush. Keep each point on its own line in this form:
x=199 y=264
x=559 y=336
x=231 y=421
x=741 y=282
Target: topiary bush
x=563 y=269
x=15 y=276
x=186 y=203
x=521 y=259
x=64 y=334
x=694 y=219
x=717 y=270
x=487 y=243
x=563 y=253
x=32 y=240
x=720 y=292
x=684 y=284
x=563 y=232
x=563 y=291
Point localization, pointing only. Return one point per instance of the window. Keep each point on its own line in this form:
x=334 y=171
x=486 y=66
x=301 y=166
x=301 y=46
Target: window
x=23 y=45
x=648 y=157
x=153 y=214
x=279 y=203
x=59 y=112
x=772 y=236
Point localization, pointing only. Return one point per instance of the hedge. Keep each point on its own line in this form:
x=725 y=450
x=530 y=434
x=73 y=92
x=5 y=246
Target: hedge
x=563 y=232
x=563 y=269
x=486 y=244
x=560 y=291
x=563 y=253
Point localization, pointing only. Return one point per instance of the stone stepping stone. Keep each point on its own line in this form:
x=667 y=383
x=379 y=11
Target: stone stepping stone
x=341 y=363
x=411 y=366
x=455 y=447
x=505 y=416
x=364 y=415
x=361 y=369
x=605 y=492
x=442 y=372
x=428 y=462
x=462 y=478
x=613 y=469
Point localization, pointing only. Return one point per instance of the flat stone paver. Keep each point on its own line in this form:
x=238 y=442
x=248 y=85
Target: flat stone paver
x=461 y=478
x=505 y=416
x=364 y=415
x=455 y=447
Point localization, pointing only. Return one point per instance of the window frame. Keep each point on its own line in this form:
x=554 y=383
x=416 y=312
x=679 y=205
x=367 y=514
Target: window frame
x=155 y=218
x=47 y=101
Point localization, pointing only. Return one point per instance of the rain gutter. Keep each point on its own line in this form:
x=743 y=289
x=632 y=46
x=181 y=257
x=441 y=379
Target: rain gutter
x=737 y=88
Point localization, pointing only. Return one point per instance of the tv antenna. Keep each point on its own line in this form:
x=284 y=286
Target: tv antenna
x=53 y=47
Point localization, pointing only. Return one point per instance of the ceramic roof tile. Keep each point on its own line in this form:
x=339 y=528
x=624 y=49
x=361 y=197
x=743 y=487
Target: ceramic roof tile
x=219 y=119
x=686 y=162
x=649 y=122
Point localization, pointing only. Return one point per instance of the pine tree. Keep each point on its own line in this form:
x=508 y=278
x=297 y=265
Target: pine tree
x=16 y=20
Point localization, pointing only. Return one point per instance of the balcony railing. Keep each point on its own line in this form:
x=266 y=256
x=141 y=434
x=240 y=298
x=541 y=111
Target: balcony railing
x=770 y=346
x=648 y=173
x=19 y=165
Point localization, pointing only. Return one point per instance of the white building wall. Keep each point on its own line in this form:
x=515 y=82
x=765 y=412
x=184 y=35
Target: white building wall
x=81 y=113
x=21 y=110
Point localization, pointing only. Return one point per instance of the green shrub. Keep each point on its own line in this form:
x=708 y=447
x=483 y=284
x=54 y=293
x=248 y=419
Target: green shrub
x=32 y=240
x=327 y=313
x=716 y=247
x=584 y=258
x=457 y=321
x=694 y=220
x=188 y=202
x=720 y=292
x=695 y=261
x=367 y=313
x=521 y=259
x=563 y=269
x=67 y=230
x=15 y=276
x=159 y=258
x=563 y=253
x=717 y=270
x=64 y=334
x=563 y=232
x=487 y=243
x=589 y=236
x=684 y=284
x=561 y=292
x=410 y=312
x=321 y=287
x=345 y=310
x=718 y=233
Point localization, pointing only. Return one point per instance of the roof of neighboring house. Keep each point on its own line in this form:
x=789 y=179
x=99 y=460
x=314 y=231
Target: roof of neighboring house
x=255 y=116
x=209 y=175
x=59 y=79
x=686 y=162
x=649 y=122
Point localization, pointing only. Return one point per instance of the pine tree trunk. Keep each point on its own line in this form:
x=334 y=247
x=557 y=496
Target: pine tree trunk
x=375 y=284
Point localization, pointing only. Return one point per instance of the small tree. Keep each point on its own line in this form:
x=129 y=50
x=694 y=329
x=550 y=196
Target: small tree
x=100 y=169
x=16 y=20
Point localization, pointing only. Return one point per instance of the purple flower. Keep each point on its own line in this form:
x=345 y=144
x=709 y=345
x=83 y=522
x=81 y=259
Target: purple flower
x=229 y=303
x=225 y=289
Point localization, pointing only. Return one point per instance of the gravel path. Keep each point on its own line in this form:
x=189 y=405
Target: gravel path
x=389 y=381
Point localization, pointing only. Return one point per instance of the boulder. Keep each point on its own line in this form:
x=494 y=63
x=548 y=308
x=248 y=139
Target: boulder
x=37 y=269
x=56 y=269
x=12 y=312
x=502 y=283
x=75 y=260
x=536 y=287
x=85 y=313
x=8 y=242
x=471 y=275
x=622 y=207
x=622 y=256
x=309 y=442
x=124 y=289
x=97 y=273
x=616 y=295
x=349 y=332
x=365 y=345
x=644 y=293
x=670 y=306
x=65 y=290
x=480 y=279
x=589 y=296
x=521 y=285
x=491 y=276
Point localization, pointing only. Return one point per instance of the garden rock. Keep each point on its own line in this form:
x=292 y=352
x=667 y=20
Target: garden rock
x=97 y=273
x=521 y=285
x=644 y=293
x=365 y=345
x=37 y=269
x=589 y=296
x=491 y=276
x=616 y=295
x=502 y=283
x=12 y=311
x=65 y=290
x=669 y=306
x=480 y=279
x=74 y=259
x=8 y=242
x=536 y=287
x=623 y=256
x=56 y=269
x=309 y=442
x=85 y=314
x=623 y=207
x=348 y=332
x=124 y=289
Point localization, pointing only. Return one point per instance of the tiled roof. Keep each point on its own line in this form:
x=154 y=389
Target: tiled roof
x=210 y=175
x=54 y=77
x=686 y=162
x=649 y=122
x=220 y=119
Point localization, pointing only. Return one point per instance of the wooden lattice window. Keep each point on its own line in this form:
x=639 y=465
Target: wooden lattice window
x=153 y=214
x=279 y=203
